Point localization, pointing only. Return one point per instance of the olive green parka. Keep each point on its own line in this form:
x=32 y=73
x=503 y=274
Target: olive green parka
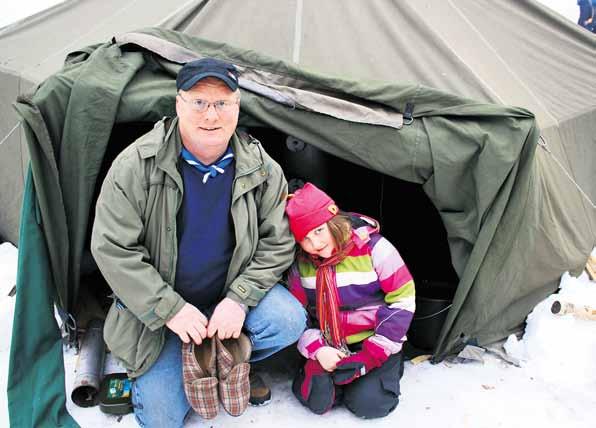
x=134 y=239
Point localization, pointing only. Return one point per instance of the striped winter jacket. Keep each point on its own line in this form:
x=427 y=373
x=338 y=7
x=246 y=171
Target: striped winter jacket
x=376 y=293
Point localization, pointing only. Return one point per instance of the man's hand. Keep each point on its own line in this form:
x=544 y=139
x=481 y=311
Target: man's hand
x=189 y=324
x=328 y=357
x=227 y=320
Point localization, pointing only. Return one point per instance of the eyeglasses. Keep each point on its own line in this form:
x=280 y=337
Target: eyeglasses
x=201 y=106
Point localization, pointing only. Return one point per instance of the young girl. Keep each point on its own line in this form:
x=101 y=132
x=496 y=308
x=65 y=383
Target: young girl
x=360 y=293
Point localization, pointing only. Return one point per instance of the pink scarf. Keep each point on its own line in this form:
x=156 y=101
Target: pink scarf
x=328 y=297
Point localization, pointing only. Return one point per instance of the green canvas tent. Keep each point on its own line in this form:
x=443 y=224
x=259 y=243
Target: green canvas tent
x=509 y=52
x=506 y=219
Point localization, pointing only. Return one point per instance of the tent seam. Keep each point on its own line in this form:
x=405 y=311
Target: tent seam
x=417 y=143
x=480 y=79
x=36 y=17
x=297 y=32
x=500 y=58
x=577 y=186
x=14 y=128
x=176 y=12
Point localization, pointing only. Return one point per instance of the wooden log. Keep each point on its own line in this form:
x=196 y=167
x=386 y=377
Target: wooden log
x=583 y=312
x=591 y=267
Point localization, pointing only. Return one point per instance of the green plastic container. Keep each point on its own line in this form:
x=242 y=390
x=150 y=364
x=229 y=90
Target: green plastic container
x=115 y=394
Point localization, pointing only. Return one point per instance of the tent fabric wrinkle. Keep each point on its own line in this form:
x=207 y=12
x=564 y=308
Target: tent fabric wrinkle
x=165 y=49
x=180 y=11
x=36 y=369
x=335 y=107
x=44 y=170
x=266 y=92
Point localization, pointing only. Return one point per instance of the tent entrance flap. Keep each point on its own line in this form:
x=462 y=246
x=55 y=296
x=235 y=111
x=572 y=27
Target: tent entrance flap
x=277 y=87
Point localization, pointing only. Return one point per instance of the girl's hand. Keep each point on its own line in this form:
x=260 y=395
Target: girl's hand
x=328 y=357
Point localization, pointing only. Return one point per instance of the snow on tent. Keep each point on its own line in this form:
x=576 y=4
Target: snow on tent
x=465 y=186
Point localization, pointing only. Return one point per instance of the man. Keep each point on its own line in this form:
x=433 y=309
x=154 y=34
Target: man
x=191 y=236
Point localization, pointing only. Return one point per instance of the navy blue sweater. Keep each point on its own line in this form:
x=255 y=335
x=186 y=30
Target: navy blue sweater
x=205 y=236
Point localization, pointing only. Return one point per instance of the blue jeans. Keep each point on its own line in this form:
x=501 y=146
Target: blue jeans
x=158 y=395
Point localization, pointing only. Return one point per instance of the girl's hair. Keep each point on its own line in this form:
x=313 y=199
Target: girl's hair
x=340 y=228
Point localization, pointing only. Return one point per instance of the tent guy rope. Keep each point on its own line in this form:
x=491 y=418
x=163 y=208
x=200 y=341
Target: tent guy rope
x=542 y=143
x=10 y=133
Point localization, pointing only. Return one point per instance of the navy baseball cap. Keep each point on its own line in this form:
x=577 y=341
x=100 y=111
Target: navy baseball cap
x=193 y=71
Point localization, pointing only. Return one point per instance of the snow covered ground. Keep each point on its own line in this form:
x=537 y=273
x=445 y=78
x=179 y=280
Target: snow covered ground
x=554 y=387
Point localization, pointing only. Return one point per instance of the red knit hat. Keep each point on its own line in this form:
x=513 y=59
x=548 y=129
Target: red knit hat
x=308 y=208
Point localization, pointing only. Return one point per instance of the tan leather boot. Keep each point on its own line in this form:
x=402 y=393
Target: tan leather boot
x=260 y=393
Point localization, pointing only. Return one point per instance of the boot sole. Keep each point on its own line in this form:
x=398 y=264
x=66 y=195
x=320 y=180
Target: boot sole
x=259 y=402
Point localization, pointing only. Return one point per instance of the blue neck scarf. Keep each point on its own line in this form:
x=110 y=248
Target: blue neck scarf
x=217 y=167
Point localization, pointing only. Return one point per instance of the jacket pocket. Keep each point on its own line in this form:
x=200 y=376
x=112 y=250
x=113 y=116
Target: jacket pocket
x=131 y=341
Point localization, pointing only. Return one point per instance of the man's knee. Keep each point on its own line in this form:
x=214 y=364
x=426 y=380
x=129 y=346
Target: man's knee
x=152 y=409
x=281 y=314
x=158 y=395
x=291 y=319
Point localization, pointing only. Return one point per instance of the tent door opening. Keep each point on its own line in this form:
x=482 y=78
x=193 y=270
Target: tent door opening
x=408 y=217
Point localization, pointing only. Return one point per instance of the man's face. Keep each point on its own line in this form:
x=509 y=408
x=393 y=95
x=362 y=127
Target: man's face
x=211 y=129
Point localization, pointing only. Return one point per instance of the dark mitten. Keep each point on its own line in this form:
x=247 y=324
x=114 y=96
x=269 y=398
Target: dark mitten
x=314 y=387
x=350 y=368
